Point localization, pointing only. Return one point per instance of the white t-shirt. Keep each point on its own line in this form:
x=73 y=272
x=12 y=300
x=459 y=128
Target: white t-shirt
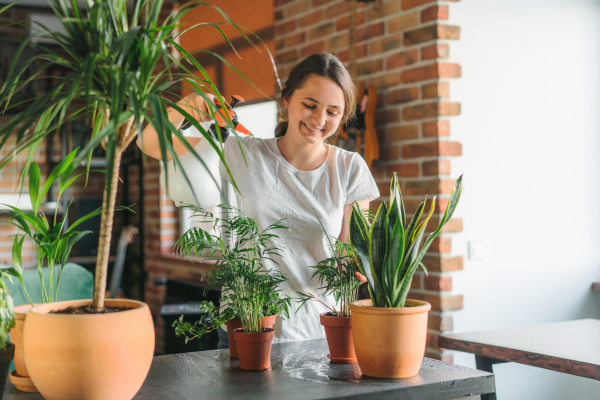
x=272 y=189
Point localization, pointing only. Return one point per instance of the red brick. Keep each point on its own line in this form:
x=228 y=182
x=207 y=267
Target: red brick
x=403 y=21
x=384 y=44
x=321 y=30
x=338 y=42
x=311 y=18
x=361 y=52
x=385 y=10
x=286 y=27
x=317 y=3
x=295 y=39
x=279 y=44
x=296 y=8
x=402 y=95
x=430 y=110
x=279 y=15
x=428 y=187
x=389 y=152
x=401 y=59
x=439 y=89
x=278 y=3
x=455 y=225
x=316 y=47
x=436 y=167
x=436 y=128
x=370 y=32
x=408 y=4
x=336 y=9
x=440 y=322
x=437 y=263
x=387 y=116
x=437 y=50
x=403 y=169
x=384 y=81
x=431 y=71
x=431 y=32
x=441 y=244
x=288 y=56
x=431 y=149
x=369 y=67
x=434 y=12
x=403 y=132
x=432 y=340
x=343 y=23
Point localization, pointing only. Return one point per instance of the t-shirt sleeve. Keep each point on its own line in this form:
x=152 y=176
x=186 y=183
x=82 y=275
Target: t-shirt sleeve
x=233 y=155
x=361 y=185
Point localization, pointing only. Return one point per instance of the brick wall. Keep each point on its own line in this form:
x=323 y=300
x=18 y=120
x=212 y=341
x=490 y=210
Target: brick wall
x=401 y=50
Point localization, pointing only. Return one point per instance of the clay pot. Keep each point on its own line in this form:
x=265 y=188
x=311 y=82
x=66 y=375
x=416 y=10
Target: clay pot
x=6 y=356
x=389 y=342
x=254 y=349
x=232 y=325
x=339 y=338
x=20 y=377
x=89 y=356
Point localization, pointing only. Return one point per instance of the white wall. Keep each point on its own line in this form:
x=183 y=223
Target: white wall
x=530 y=130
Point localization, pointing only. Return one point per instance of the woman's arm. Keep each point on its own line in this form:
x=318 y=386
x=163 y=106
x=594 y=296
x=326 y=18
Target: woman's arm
x=364 y=204
x=195 y=106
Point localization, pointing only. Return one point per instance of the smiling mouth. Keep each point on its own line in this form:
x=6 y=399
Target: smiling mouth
x=312 y=130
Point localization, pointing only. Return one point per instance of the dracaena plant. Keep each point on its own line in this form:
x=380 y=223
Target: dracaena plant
x=239 y=248
x=388 y=250
x=337 y=277
x=51 y=239
x=120 y=66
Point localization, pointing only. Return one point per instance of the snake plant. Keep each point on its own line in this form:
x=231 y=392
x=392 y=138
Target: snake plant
x=388 y=250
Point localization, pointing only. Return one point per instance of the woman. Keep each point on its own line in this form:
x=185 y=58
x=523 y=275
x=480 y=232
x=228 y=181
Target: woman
x=296 y=175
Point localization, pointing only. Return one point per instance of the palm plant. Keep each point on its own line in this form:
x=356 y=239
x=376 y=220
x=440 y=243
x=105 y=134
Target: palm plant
x=388 y=250
x=120 y=61
x=239 y=248
x=337 y=277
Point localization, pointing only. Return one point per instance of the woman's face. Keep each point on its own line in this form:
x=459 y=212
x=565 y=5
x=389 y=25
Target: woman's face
x=314 y=110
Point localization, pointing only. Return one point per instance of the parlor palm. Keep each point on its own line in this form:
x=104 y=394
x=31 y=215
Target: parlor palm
x=123 y=64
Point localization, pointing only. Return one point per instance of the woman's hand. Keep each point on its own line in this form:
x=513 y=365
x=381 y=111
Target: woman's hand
x=195 y=105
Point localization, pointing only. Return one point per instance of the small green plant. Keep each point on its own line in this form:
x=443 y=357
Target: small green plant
x=337 y=276
x=7 y=313
x=52 y=242
x=239 y=247
x=388 y=250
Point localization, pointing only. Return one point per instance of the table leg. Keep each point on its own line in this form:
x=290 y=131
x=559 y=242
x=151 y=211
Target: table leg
x=485 y=364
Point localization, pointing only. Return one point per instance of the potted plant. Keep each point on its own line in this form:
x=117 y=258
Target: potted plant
x=52 y=244
x=121 y=66
x=338 y=276
x=390 y=331
x=7 y=321
x=250 y=292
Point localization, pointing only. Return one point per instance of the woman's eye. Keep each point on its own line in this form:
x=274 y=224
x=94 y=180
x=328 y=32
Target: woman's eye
x=333 y=114
x=309 y=107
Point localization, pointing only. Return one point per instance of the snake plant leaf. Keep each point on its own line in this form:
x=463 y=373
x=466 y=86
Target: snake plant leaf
x=394 y=259
x=358 y=239
x=410 y=230
x=396 y=196
x=378 y=242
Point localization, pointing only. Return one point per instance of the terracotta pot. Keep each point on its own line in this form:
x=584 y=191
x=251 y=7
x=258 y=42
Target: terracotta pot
x=389 y=342
x=232 y=325
x=89 y=356
x=20 y=378
x=339 y=338
x=6 y=356
x=254 y=349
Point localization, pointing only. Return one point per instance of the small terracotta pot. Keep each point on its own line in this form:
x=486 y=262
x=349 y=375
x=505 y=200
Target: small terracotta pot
x=89 y=356
x=254 y=349
x=20 y=378
x=389 y=342
x=6 y=356
x=232 y=325
x=339 y=338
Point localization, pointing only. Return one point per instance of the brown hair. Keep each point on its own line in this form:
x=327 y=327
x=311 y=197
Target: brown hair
x=321 y=64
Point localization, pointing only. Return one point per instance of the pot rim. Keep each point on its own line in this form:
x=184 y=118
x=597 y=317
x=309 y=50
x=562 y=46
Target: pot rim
x=365 y=307
x=266 y=330
x=45 y=309
x=329 y=316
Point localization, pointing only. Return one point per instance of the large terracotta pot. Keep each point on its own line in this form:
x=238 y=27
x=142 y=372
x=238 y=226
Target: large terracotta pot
x=254 y=349
x=236 y=323
x=339 y=338
x=20 y=377
x=89 y=356
x=389 y=342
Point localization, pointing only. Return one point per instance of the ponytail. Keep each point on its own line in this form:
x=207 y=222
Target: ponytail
x=281 y=129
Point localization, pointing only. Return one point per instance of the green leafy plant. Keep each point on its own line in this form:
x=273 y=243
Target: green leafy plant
x=239 y=248
x=337 y=277
x=52 y=241
x=388 y=250
x=120 y=66
x=7 y=313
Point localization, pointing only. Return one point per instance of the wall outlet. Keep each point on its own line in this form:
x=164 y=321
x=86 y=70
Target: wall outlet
x=476 y=250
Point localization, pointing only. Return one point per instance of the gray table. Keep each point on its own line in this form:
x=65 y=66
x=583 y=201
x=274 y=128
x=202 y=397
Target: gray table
x=300 y=370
